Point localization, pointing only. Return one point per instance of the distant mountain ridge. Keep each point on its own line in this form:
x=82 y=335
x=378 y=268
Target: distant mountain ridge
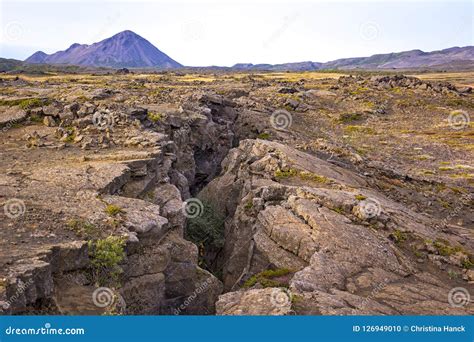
x=299 y=66
x=406 y=60
x=123 y=50
x=455 y=57
x=129 y=50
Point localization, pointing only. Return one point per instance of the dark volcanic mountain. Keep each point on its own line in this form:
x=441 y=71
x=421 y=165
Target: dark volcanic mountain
x=123 y=50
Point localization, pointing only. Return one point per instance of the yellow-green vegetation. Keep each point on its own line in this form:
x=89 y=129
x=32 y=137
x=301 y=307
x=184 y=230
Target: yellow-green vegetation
x=248 y=205
x=460 y=103
x=24 y=103
x=282 y=174
x=358 y=129
x=113 y=210
x=445 y=168
x=36 y=118
x=266 y=278
x=105 y=256
x=427 y=172
x=453 y=274
x=424 y=157
x=444 y=203
x=82 y=99
x=264 y=136
x=359 y=90
x=468 y=263
x=360 y=197
x=296 y=299
x=338 y=210
x=462 y=167
x=445 y=249
x=398 y=236
x=369 y=104
x=71 y=134
x=154 y=117
x=458 y=190
x=463 y=175
x=304 y=175
x=349 y=117
x=31 y=103
x=83 y=228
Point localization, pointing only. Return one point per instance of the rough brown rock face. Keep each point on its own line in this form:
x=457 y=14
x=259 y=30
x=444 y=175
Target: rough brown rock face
x=362 y=206
x=136 y=194
x=293 y=211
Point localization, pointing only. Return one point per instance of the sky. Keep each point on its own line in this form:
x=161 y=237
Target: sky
x=203 y=33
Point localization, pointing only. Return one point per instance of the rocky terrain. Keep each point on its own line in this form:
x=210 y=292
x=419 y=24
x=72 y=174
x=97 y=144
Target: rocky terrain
x=231 y=194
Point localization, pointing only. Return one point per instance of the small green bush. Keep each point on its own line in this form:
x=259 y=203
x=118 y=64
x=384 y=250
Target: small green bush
x=248 y=205
x=398 y=236
x=83 y=228
x=206 y=230
x=113 y=210
x=154 y=117
x=444 y=248
x=280 y=174
x=105 y=255
x=305 y=175
x=265 y=278
x=264 y=136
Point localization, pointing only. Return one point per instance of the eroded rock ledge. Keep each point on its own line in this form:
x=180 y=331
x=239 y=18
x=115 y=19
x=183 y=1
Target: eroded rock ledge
x=347 y=248
x=132 y=188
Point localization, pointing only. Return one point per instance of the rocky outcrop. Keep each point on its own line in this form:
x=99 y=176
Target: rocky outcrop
x=350 y=250
x=114 y=191
x=390 y=82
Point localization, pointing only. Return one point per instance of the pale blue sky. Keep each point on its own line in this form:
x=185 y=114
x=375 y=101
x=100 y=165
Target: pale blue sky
x=228 y=32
